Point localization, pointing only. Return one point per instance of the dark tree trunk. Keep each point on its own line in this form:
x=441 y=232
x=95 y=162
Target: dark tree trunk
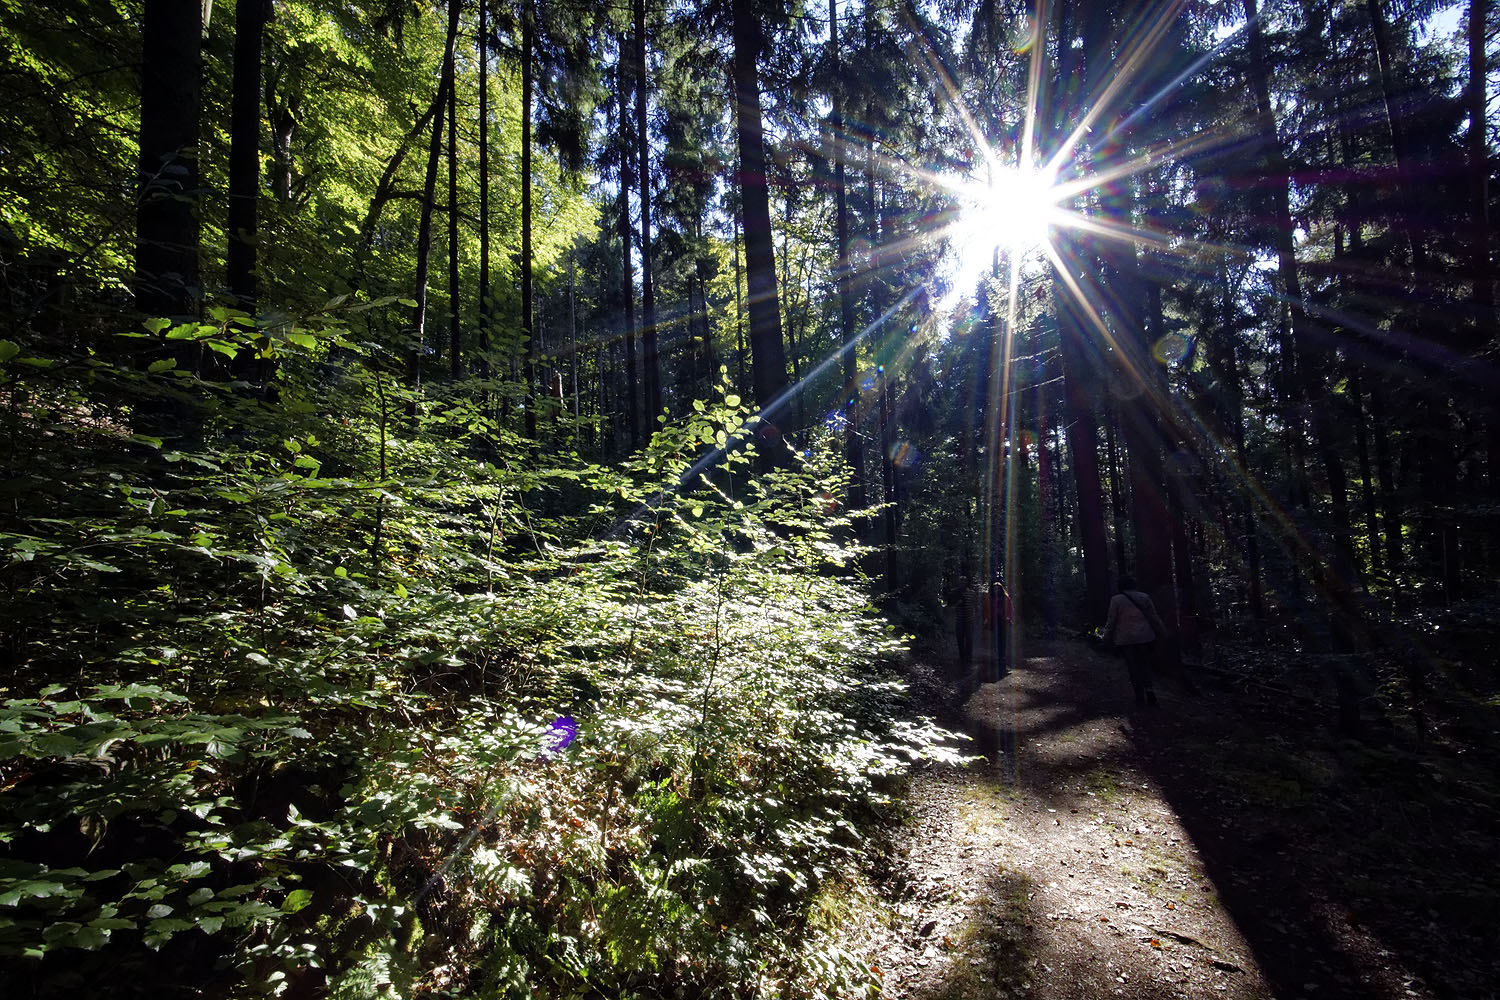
x=1479 y=170
x=484 y=191
x=455 y=354
x=527 y=338
x=766 y=348
x=244 y=151
x=1179 y=501
x=1339 y=575
x=739 y=312
x=1222 y=357
x=424 y=227
x=167 y=220
x=853 y=456
x=627 y=267
x=888 y=476
x=1390 y=516
x=1083 y=435
x=1116 y=493
x=1438 y=450
x=1362 y=439
x=652 y=359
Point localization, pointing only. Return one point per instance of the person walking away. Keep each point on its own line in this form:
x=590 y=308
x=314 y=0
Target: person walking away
x=960 y=597
x=1133 y=626
x=997 y=622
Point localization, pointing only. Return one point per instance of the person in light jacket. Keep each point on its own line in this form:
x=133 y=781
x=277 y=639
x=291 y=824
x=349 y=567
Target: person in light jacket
x=1133 y=626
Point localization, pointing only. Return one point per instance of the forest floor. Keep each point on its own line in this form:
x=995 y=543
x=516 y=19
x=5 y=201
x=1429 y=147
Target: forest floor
x=1198 y=849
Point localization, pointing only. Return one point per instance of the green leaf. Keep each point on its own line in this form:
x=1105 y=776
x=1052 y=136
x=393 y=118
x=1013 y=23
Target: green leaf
x=732 y=400
x=157 y=324
x=145 y=439
x=305 y=340
x=163 y=365
x=297 y=899
x=8 y=350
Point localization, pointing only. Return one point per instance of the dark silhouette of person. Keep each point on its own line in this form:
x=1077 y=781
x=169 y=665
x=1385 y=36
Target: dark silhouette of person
x=1133 y=626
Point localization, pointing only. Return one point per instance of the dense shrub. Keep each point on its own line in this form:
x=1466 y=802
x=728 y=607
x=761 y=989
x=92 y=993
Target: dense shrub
x=281 y=663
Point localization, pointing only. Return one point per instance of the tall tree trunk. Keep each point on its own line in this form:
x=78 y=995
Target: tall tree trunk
x=853 y=456
x=1083 y=435
x=1180 y=503
x=1231 y=400
x=244 y=151
x=1339 y=575
x=424 y=227
x=1116 y=493
x=1439 y=480
x=627 y=266
x=1390 y=517
x=527 y=69
x=455 y=354
x=167 y=222
x=1362 y=440
x=768 y=353
x=888 y=476
x=648 y=286
x=484 y=191
x=1479 y=169
x=739 y=310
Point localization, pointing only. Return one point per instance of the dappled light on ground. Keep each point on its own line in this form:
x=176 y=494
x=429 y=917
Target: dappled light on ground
x=1101 y=850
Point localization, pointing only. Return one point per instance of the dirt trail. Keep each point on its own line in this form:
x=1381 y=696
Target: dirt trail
x=1085 y=858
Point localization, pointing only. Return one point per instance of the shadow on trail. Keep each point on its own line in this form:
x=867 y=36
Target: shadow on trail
x=1264 y=802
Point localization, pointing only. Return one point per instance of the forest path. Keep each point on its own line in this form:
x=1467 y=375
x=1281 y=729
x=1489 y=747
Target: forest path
x=1092 y=854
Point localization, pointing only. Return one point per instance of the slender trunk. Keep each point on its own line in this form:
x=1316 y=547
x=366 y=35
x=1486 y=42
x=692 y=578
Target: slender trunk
x=167 y=227
x=648 y=285
x=1389 y=512
x=853 y=456
x=455 y=354
x=1145 y=441
x=1230 y=403
x=1179 y=503
x=767 y=350
x=1116 y=494
x=385 y=187
x=573 y=331
x=888 y=476
x=244 y=151
x=1083 y=435
x=1340 y=573
x=525 y=262
x=1479 y=170
x=1362 y=440
x=424 y=228
x=484 y=191
x=739 y=310
x=627 y=266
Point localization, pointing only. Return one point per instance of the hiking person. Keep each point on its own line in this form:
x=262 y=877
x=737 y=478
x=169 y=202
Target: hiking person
x=1133 y=626
x=960 y=597
x=997 y=621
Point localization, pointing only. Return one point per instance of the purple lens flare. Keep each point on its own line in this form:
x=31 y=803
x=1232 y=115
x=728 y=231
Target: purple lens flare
x=564 y=730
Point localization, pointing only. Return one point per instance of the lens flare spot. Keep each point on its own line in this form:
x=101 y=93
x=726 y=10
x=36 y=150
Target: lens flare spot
x=1173 y=349
x=564 y=730
x=904 y=455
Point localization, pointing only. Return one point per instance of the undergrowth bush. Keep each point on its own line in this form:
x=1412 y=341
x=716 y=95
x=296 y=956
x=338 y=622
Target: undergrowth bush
x=280 y=664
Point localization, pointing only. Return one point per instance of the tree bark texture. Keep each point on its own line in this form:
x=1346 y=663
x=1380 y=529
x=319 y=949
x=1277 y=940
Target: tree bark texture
x=167 y=220
x=768 y=355
x=244 y=151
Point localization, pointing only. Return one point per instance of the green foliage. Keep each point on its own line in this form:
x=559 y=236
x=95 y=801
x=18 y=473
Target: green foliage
x=281 y=666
